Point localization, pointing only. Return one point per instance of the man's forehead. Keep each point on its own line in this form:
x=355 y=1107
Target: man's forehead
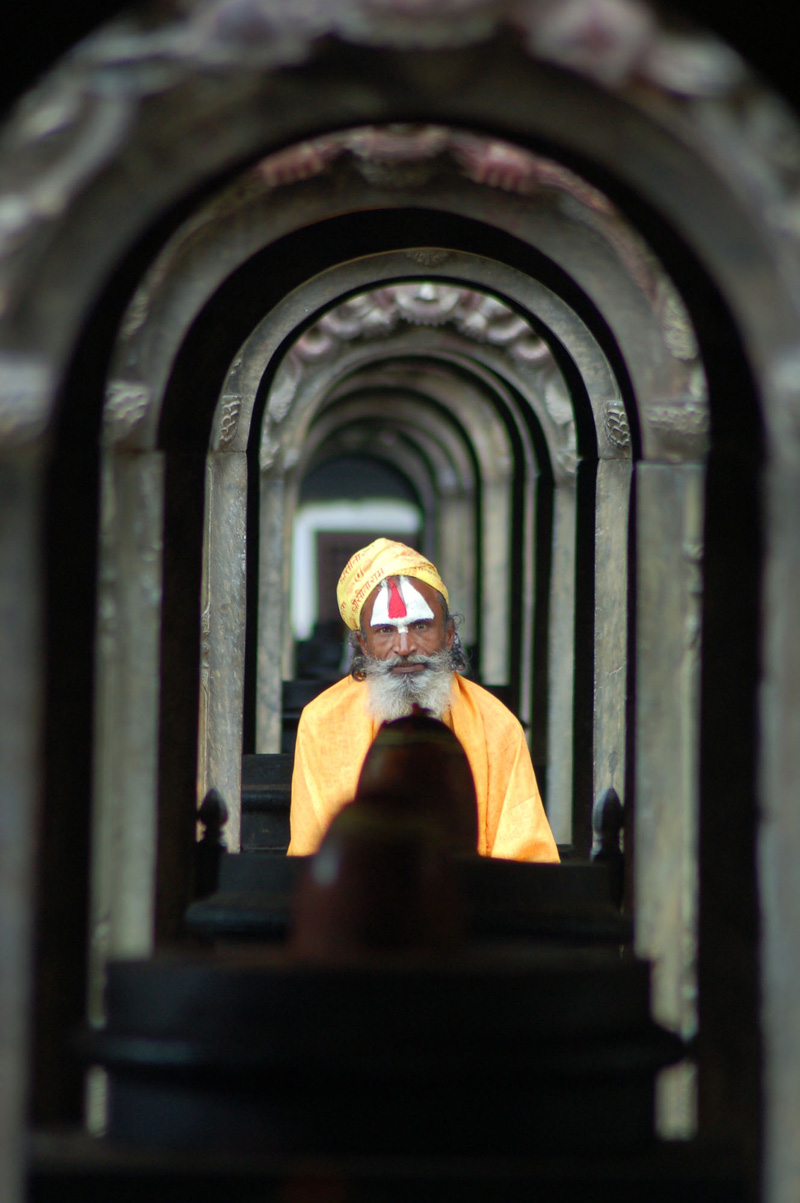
x=402 y=599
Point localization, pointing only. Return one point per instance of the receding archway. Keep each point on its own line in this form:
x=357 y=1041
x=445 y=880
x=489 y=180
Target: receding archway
x=747 y=324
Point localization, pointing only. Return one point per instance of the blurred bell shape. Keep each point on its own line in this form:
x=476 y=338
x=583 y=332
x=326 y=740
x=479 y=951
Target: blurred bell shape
x=383 y=880
x=417 y=767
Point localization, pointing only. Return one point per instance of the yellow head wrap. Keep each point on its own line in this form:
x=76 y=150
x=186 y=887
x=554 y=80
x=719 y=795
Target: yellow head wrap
x=367 y=568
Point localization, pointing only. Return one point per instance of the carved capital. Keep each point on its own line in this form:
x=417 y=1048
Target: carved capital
x=26 y=394
x=615 y=424
x=565 y=463
x=126 y=406
x=784 y=377
x=228 y=420
x=686 y=416
x=678 y=427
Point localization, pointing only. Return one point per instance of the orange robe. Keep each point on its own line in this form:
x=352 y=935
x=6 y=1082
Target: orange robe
x=336 y=731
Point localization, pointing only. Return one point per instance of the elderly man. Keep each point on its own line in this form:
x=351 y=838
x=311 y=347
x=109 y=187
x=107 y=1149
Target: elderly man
x=406 y=652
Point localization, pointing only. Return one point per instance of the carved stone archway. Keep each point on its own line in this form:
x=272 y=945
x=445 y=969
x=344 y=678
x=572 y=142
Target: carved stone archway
x=674 y=123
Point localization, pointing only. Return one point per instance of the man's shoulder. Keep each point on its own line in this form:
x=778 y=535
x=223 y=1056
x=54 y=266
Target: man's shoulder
x=487 y=703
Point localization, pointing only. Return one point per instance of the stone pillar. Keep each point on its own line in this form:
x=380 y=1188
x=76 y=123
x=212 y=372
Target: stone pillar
x=779 y=836
x=494 y=599
x=561 y=658
x=523 y=672
x=455 y=556
x=224 y=620
x=271 y=603
x=20 y=784
x=612 y=509
x=669 y=518
x=125 y=826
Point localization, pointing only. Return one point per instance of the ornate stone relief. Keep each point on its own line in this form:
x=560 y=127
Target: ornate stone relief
x=618 y=43
x=611 y=41
x=79 y=116
x=372 y=314
x=407 y=156
x=477 y=316
x=61 y=136
x=485 y=162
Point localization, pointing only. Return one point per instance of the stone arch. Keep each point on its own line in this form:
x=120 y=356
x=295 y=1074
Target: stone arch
x=538 y=381
x=134 y=393
x=93 y=144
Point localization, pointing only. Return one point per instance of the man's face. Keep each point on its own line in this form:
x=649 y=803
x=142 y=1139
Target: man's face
x=403 y=619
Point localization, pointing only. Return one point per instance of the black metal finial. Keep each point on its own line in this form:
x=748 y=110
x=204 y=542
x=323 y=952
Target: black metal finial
x=608 y=821
x=213 y=815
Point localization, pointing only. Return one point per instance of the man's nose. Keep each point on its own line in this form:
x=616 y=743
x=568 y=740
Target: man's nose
x=402 y=644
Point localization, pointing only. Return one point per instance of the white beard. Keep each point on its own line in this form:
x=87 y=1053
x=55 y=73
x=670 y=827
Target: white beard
x=392 y=696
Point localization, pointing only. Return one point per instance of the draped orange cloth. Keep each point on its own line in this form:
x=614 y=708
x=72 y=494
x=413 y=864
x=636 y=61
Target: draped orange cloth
x=334 y=736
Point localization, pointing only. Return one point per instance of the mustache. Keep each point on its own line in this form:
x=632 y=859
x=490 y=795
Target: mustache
x=435 y=662
x=382 y=667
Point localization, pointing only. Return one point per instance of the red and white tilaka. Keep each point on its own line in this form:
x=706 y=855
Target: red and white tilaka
x=398 y=604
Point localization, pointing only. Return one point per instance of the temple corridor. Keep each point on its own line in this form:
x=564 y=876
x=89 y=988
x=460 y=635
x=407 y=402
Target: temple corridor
x=521 y=289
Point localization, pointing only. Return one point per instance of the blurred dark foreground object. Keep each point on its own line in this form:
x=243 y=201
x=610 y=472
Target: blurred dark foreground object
x=417 y=769
x=377 y=1030
x=383 y=879
x=409 y=841
x=499 y=898
x=382 y=882
x=492 y=1053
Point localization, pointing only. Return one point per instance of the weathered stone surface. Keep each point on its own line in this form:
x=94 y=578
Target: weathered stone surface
x=612 y=510
x=156 y=109
x=224 y=622
x=126 y=748
x=779 y=837
x=271 y=615
x=562 y=668
x=20 y=785
x=669 y=515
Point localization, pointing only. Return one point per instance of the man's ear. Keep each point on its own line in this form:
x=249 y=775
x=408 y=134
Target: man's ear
x=362 y=643
x=450 y=633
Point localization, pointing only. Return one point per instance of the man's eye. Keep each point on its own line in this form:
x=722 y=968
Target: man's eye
x=422 y=625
